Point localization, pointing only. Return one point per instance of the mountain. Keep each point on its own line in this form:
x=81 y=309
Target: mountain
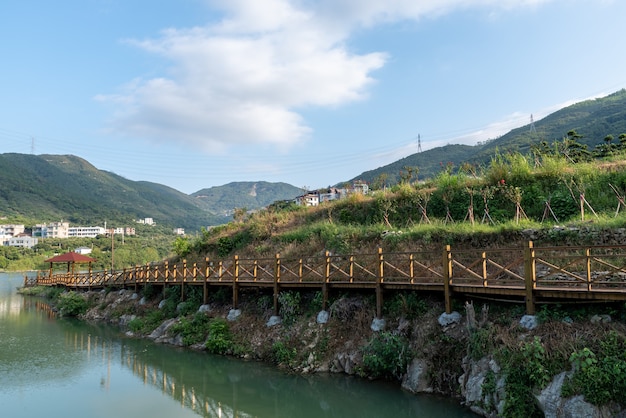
x=65 y=187
x=224 y=199
x=593 y=119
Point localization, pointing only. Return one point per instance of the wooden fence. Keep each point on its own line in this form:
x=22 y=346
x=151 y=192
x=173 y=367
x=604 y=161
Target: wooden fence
x=525 y=274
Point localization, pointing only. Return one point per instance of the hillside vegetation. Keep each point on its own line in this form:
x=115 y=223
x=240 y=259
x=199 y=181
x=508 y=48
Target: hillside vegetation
x=593 y=119
x=46 y=188
x=560 y=184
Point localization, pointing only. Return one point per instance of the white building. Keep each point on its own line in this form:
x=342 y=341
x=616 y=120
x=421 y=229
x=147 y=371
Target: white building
x=86 y=231
x=309 y=199
x=23 y=241
x=83 y=250
x=55 y=230
x=11 y=230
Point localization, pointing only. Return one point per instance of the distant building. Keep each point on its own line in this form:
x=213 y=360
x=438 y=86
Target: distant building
x=309 y=199
x=147 y=221
x=179 y=231
x=24 y=241
x=55 y=230
x=85 y=231
x=83 y=250
x=11 y=230
x=360 y=186
x=331 y=193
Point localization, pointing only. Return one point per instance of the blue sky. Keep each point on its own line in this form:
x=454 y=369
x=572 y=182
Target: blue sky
x=199 y=93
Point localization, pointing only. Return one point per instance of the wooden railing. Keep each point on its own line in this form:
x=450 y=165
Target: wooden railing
x=526 y=274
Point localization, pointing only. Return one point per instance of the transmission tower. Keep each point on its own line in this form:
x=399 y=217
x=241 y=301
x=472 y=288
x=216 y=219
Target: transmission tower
x=532 y=125
x=419 y=143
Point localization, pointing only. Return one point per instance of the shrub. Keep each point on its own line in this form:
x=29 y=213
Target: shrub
x=387 y=355
x=192 y=330
x=72 y=304
x=601 y=377
x=525 y=371
x=219 y=340
x=289 y=306
x=282 y=354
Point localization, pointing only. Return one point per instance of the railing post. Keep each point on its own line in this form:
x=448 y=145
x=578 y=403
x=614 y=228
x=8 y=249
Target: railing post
x=588 y=267
x=530 y=276
x=351 y=269
x=379 y=283
x=236 y=283
x=276 y=280
x=182 y=283
x=300 y=270
x=411 y=268
x=447 y=278
x=326 y=280
x=484 y=268
x=205 y=290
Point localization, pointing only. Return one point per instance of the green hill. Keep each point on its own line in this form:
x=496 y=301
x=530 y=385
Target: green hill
x=250 y=195
x=55 y=187
x=65 y=187
x=593 y=119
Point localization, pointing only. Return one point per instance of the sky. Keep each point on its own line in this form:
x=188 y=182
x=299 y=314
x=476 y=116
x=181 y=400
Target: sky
x=200 y=93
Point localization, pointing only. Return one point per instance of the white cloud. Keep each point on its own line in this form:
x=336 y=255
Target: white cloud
x=243 y=79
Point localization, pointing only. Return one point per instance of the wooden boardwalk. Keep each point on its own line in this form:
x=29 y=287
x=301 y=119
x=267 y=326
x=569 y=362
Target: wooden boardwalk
x=527 y=274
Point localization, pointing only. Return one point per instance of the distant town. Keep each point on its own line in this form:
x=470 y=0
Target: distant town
x=27 y=237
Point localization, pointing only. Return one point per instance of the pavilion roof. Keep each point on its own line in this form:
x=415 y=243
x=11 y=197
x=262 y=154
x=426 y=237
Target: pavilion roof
x=70 y=257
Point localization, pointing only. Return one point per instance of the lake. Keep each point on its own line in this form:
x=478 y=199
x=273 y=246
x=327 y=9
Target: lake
x=51 y=367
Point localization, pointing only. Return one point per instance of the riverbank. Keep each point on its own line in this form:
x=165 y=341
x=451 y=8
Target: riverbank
x=491 y=357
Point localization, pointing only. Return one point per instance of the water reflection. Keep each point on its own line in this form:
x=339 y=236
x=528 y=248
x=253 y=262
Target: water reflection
x=71 y=353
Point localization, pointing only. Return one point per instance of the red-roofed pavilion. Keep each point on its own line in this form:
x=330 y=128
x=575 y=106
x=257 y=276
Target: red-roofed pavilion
x=71 y=259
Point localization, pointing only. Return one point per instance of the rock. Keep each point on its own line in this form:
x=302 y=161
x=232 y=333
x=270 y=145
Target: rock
x=162 y=329
x=233 y=314
x=134 y=296
x=554 y=406
x=125 y=319
x=600 y=319
x=345 y=362
x=446 y=319
x=142 y=301
x=322 y=317
x=162 y=303
x=416 y=378
x=204 y=308
x=378 y=324
x=274 y=320
x=529 y=321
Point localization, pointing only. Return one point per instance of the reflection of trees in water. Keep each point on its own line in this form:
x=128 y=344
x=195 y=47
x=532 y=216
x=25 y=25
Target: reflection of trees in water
x=214 y=386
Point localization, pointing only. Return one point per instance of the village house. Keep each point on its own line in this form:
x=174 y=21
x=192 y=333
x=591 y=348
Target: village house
x=316 y=197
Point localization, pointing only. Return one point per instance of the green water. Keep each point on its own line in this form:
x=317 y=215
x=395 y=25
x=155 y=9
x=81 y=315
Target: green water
x=53 y=367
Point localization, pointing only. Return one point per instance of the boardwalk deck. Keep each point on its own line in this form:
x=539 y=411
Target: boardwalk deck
x=529 y=274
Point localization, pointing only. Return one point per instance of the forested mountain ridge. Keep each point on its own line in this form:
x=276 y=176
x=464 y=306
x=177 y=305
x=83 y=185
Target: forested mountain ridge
x=66 y=187
x=593 y=120
x=246 y=194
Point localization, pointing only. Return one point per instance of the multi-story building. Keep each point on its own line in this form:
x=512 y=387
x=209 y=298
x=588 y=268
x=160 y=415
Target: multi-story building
x=22 y=240
x=86 y=231
x=56 y=230
x=11 y=230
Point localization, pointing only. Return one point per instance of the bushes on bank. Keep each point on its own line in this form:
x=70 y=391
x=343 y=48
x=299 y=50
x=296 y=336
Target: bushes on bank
x=387 y=355
x=71 y=304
